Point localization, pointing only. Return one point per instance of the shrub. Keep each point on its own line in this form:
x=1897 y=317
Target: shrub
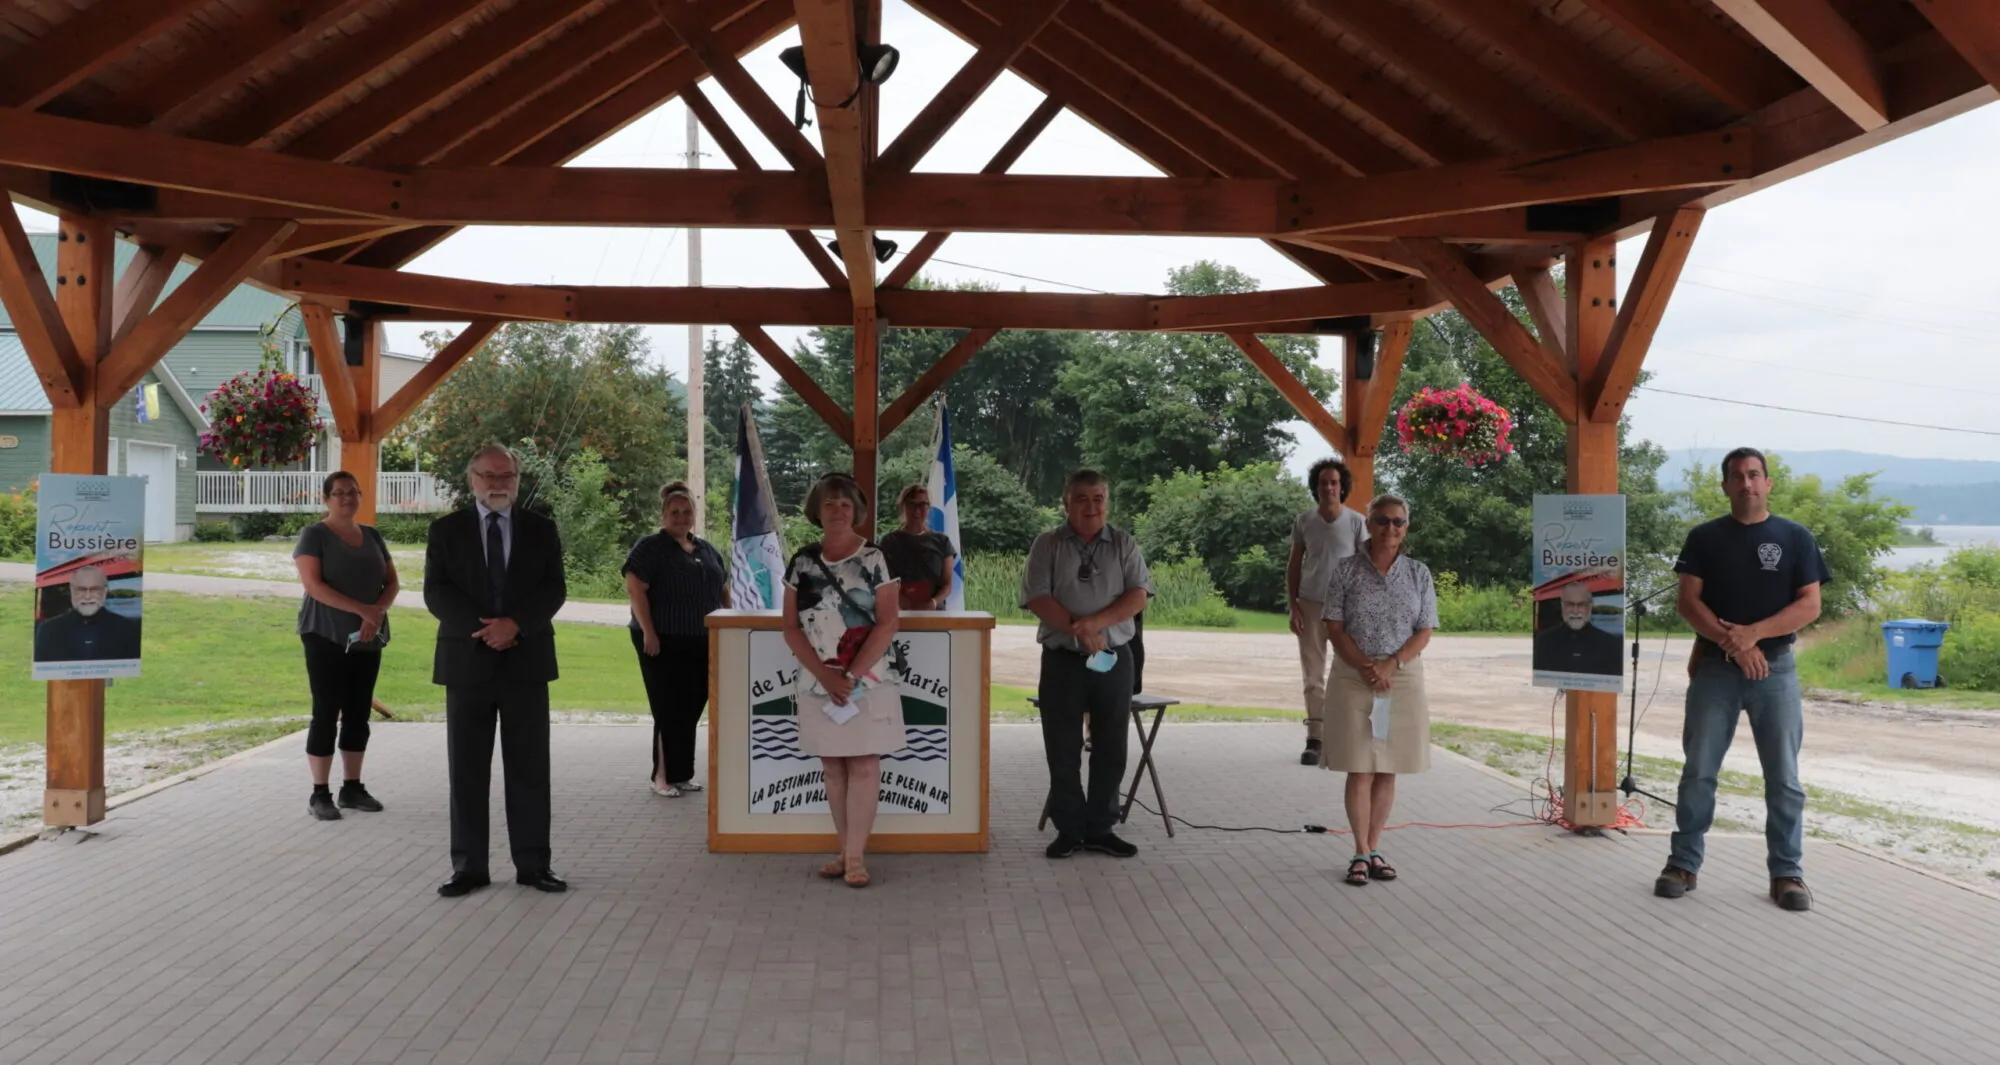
x=592 y=521
x=1462 y=608
x=256 y=525
x=213 y=532
x=404 y=528
x=1207 y=614
x=17 y=524
x=1971 y=654
x=993 y=585
x=1256 y=579
x=1182 y=592
x=1221 y=516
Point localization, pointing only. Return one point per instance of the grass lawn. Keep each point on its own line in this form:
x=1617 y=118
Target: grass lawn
x=1850 y=657
x=255 y=559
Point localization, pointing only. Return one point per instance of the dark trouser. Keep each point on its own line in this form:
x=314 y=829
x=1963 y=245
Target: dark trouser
x=677 y=690
x=343 y=691
x=522 y=710
x=1069 y=691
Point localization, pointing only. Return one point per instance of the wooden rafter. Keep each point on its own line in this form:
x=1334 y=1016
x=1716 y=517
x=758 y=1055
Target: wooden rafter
x=1545 y=307
x=800 y=381
x=465 y=58
x=189 y=303
x=330 y=357
x=334 y=71
x=1732 y=70
x=1473 y=88
x=1287 y=304
x=426 y=380
x=1446 y=267
x=1588 y=80
x=83 y=45
x=927 y=385
x=37 y=320
x=1971 y=28
x=828 y=29
x=1037 y=121
x=750 y=97
x=1195 y=42
x=1432 y=137
x=740 y=157
x=139 y=287
x=1301 y=398
x=1822 y=47
x=1641 y=311
x=1389 y=355
x=204 y=73
x=943 y=110
x=527 y=302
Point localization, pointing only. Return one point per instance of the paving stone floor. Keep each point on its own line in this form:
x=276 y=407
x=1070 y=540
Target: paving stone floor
x=215 y=923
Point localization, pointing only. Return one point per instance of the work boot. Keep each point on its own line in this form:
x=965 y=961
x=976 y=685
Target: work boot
x=1311 y=755
x=1790 y=893
x=1673 y=882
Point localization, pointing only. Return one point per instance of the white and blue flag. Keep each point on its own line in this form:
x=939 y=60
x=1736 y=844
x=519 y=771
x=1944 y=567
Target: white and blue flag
x=943 y=486
x=756 y=555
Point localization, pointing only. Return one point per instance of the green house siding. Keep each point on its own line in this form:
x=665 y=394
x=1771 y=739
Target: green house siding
x=173 y=428
x=204 y=359
x=22 y=464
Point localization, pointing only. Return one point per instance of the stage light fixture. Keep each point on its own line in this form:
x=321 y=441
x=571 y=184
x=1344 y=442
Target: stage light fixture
x=876 y=63
x=884 y=249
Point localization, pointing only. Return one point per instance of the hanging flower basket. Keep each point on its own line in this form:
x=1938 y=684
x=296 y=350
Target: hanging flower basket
x=1458 y=423
x=262 y=418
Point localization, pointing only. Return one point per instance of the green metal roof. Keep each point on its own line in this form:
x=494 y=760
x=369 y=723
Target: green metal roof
x=246 y=308
x=20 y=389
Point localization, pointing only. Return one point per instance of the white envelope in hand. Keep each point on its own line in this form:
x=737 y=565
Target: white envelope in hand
x=841 y=713
x=1378 y=716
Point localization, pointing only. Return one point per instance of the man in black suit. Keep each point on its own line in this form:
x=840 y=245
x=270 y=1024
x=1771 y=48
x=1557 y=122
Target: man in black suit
x=87 y=631
x=1576 y=645
x=493 y=576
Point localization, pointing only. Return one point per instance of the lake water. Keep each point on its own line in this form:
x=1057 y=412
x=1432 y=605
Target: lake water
x=1949 y=536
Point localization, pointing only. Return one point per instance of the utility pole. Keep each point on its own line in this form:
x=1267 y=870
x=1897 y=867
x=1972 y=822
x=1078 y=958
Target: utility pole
x=696 y=407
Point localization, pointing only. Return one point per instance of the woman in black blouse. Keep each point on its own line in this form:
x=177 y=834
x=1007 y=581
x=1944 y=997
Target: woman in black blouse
x=674 y=580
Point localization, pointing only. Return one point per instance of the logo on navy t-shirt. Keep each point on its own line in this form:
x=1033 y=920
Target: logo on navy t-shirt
x=1769 y=554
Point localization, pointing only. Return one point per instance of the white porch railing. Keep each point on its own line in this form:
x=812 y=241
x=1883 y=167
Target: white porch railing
x=222 y=492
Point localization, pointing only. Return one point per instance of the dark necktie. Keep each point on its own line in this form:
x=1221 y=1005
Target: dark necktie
x=496 y=562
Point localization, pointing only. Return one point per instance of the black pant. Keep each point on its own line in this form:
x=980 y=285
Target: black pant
x=1068 y=691
x=677 y=690
x=343 y=692
x=522 y=710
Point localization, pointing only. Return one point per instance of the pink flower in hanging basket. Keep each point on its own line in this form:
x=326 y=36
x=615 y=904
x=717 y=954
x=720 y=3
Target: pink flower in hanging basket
x=262 y=418
x=1456 y=423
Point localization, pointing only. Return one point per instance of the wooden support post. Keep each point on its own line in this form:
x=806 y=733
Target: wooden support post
x=1365 y=406
x=1590 y=733
x=867 y=405
x=80 y=443
x=353 y=394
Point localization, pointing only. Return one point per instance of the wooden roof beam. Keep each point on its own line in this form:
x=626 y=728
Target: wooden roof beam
x=425 y=381
x=24 y=291
x=84 y=44
x=218 y=275
x=927 y=385
x=800 y=381
x=1730 y=69
x=966 y=86
x=207 y=71
x=1037 y=121
x=740 y=157
x=1212 y=313
x=1971 y=28
x=1304 y=403
x=1433 y=137
x=139 y=287
x=1812 y=38
x=335 y=382
x=750 y=97
x=828 y=29
x=477 y=298
x=1641 y=311
x=1547 y=309
x=1471 y=87
x=1447 y=267
x=270 y=111
x=1591 y=82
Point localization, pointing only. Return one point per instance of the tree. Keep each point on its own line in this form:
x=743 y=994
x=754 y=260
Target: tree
x=1152 y=404
x=729 y=380
x=562 y=388
x=1237 y=522
x=1476 y=522
x=996 y=515
x=1853 y=525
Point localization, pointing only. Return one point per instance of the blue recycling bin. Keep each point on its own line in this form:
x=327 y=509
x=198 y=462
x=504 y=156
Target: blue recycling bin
x=1913 y=652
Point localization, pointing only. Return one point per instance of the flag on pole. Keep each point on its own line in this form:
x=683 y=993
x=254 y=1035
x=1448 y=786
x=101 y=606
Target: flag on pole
x=149 y=404
x=756 y=556
x=943 y=486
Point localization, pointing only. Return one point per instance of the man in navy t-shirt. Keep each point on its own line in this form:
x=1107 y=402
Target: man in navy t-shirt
x=1748 y=583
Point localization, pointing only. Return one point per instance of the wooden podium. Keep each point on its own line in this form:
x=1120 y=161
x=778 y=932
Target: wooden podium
x=765 y=795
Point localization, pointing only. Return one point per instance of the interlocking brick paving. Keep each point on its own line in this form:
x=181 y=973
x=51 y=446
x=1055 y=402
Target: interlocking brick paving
x=215 y=922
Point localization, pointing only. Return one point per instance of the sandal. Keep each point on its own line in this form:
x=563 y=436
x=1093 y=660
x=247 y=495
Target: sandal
x=834 y=869
x=688 y=786
x=668 y=792
x=1379 y=867
x=856 y=876
x=1357 y=871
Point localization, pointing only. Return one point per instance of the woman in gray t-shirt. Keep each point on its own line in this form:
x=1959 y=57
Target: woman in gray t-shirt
x=350 y=582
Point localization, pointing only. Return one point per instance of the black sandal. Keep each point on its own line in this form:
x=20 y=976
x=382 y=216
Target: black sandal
x=1358 y=872
x=1379 y=867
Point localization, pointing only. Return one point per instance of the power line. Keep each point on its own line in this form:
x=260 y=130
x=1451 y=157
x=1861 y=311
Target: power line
x=1819 y=413
x=1023 y=277
x=1840 y=312
x=1853 y=292
x=1955 y=389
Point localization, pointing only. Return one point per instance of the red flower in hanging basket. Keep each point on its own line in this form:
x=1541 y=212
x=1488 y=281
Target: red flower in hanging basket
x=262 y=418
x=1456 y=423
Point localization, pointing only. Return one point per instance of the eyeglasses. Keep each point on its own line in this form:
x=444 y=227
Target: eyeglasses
x=916 y=504
x=496 y=478
x=345 y=493
x=1379 y=520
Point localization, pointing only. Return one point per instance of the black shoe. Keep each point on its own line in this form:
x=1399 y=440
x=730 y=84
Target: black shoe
x=462 y=884
x=355 y=797
x=321 y=806
x=1064 y=845
x=1673 y=882
x=1310 y=756
x=1790 y=893
x=1110 y=844
x=542 y=881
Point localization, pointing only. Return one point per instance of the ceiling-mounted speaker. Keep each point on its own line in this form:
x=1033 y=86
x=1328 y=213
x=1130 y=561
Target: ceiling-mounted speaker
x=354 y=339
x=1364 y=353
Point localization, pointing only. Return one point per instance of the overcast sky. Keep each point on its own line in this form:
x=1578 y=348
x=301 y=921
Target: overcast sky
x=1866 y=288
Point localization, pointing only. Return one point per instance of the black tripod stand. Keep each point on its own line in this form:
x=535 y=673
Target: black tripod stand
x=1638 y=610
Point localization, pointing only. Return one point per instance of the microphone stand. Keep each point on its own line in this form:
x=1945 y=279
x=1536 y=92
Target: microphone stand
x=1638 y=610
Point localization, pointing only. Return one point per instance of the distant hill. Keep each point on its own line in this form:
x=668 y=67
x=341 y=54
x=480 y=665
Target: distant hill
x=1835 y=465
x=1948 y=504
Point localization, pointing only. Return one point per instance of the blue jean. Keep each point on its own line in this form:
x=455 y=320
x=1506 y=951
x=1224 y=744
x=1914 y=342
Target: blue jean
x=1715 y=695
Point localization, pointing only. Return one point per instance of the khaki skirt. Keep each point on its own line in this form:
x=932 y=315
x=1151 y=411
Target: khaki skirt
x=1350 y=743
x=877 y=729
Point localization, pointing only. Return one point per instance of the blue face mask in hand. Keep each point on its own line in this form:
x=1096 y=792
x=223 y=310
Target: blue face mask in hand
x=1101 y=662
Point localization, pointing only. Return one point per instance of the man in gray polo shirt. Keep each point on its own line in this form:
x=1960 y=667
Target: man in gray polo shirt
x=1086 y=581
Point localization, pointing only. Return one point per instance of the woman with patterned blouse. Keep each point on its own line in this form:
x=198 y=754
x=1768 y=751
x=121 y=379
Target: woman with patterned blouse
x=1380 y=610
x=841 y=613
